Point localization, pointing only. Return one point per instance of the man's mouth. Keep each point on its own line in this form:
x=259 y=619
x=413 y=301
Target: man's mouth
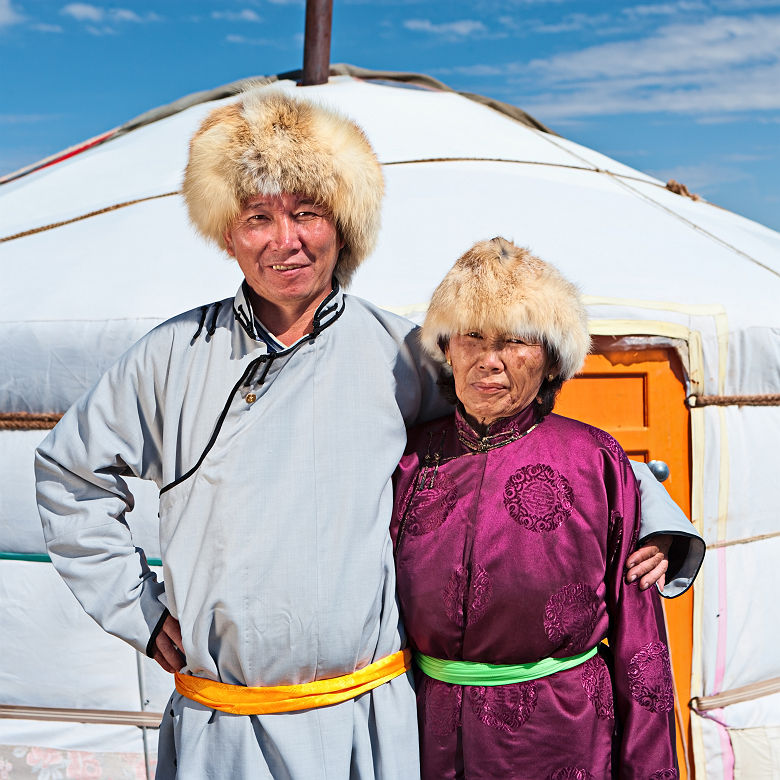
x=290 y=267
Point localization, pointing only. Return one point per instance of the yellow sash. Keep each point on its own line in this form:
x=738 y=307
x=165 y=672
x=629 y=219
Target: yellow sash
x=245 y=700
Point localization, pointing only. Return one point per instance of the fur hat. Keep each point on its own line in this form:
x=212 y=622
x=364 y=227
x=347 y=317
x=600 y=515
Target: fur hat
x=497 y=285
x=271 y=143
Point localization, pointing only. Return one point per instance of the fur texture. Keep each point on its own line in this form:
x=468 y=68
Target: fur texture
x=497 y=285
x=269 y=143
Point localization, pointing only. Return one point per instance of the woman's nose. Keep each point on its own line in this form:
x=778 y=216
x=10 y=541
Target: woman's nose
x=491 y=360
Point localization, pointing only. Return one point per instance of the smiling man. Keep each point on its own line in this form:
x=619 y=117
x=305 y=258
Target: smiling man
x=272 y=423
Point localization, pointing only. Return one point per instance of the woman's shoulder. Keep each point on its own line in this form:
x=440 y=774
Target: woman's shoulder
x=420 y=437
x=585 y=436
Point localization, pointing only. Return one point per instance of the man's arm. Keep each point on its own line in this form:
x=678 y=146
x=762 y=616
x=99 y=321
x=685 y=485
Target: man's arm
x=670 y=550
x=112 y=433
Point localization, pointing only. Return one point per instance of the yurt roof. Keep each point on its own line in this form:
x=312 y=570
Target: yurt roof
x=103 y=234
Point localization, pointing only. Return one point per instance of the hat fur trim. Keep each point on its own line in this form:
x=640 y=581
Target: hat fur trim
x=270 y=143
x=499 y=286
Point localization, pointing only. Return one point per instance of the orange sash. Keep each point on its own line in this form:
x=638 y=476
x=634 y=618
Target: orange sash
x=245 y=700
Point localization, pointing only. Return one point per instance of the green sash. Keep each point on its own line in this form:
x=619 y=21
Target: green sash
x=474 y=673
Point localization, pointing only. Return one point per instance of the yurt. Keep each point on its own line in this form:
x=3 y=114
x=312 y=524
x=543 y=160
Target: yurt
x=684 y=304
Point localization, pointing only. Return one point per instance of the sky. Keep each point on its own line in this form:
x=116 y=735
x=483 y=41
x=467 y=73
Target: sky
x=687 y=89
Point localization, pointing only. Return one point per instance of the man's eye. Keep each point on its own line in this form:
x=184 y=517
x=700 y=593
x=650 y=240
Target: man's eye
x=473 y=334
x=306 y=215
x=256 y=217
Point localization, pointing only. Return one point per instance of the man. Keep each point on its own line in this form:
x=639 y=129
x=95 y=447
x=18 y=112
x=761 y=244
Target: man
x=272 y=423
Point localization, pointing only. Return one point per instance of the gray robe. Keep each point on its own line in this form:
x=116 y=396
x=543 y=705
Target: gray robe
x=275 y=478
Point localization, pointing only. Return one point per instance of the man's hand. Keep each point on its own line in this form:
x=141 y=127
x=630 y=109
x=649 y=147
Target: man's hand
x=167 y=646
x=649 y=563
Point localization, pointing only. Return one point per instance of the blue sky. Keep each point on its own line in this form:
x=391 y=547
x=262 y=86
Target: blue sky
x=686 y=89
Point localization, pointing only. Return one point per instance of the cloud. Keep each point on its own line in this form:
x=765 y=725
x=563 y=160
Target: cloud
x=47 y=28
x=666 y=9
x=721 y=65
x=450 y=30
x=8 y=15
x=247 y=15
x=85 y=12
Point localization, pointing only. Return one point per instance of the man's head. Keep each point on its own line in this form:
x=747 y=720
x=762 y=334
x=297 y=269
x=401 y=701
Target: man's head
x=270 y=144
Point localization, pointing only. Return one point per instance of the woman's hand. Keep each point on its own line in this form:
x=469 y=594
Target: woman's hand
x=650 y=562
x=167 y=646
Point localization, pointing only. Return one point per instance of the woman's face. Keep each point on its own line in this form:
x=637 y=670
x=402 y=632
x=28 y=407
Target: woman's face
x=496 y=375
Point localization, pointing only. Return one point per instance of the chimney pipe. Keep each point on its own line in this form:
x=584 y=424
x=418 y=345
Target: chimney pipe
x=316 y=44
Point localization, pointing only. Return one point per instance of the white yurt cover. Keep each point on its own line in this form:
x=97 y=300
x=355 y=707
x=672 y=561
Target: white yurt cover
x=96 y=249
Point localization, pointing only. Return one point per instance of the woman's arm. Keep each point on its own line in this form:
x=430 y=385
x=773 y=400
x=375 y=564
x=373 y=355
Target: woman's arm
x=642 y=677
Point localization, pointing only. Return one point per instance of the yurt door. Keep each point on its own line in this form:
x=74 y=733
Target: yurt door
x=638 y=397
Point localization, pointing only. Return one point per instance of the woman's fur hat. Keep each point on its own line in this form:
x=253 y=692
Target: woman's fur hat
x=271 y=143
x=497 y=285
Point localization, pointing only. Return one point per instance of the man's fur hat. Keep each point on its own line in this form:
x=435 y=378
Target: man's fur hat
x=271 y=143
x=499 y=286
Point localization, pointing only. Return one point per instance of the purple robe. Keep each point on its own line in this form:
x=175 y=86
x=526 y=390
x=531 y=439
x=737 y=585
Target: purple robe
x=511 y=548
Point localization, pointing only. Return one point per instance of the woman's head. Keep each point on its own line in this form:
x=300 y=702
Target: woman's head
x=511 y=326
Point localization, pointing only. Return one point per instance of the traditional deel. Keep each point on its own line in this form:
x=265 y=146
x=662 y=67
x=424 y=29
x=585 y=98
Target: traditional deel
x=275 y=476
x=510 y=549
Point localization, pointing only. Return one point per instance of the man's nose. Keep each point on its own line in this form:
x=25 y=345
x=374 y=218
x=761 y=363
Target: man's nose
x=286 y=233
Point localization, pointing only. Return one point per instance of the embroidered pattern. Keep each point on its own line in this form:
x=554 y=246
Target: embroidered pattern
x=455 y=595
x=570 y=616
x=606 y=441
x=428 y=507
x=504 y=707
x=442 y=706
x=664 y=774
x=650 y=678
x=538 y=497
x=598 y=687
x=570 y=773
x=501 y=433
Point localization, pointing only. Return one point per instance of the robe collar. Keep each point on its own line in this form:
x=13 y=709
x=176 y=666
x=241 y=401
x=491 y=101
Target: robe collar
x=499 y=433
x=327 y=312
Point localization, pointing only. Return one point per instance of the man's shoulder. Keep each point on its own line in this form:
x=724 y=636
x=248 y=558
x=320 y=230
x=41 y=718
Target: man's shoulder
x=384 y=318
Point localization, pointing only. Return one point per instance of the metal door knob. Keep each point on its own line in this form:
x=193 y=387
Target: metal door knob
x=660 y=470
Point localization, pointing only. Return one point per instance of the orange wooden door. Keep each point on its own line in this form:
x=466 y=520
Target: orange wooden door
x=638 y=397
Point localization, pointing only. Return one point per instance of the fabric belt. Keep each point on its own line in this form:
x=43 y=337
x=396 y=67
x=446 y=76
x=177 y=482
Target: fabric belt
x=474 y=673
x=246 y=700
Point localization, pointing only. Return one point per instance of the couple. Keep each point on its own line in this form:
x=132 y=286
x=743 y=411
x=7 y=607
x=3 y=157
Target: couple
x=273 y=423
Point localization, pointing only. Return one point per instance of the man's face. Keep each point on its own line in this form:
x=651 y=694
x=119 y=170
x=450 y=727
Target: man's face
x=287 y=248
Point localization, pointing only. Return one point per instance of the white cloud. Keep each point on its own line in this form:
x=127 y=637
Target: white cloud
x=460 y=29
x=8 y=15
x=717 y=43
x=47 y=28
x=720 y=66
x=85 y=12
x=247 y=15
x=666 y=9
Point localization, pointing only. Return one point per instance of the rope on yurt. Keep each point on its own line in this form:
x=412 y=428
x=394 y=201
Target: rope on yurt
x=700 y=704
x=768 y=399
x=28 y=421
x=106 y=209
x=745 y=540
x=142 y=719
x=618 y=178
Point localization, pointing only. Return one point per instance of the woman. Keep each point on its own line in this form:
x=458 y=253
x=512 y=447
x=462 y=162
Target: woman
x=512 y=527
